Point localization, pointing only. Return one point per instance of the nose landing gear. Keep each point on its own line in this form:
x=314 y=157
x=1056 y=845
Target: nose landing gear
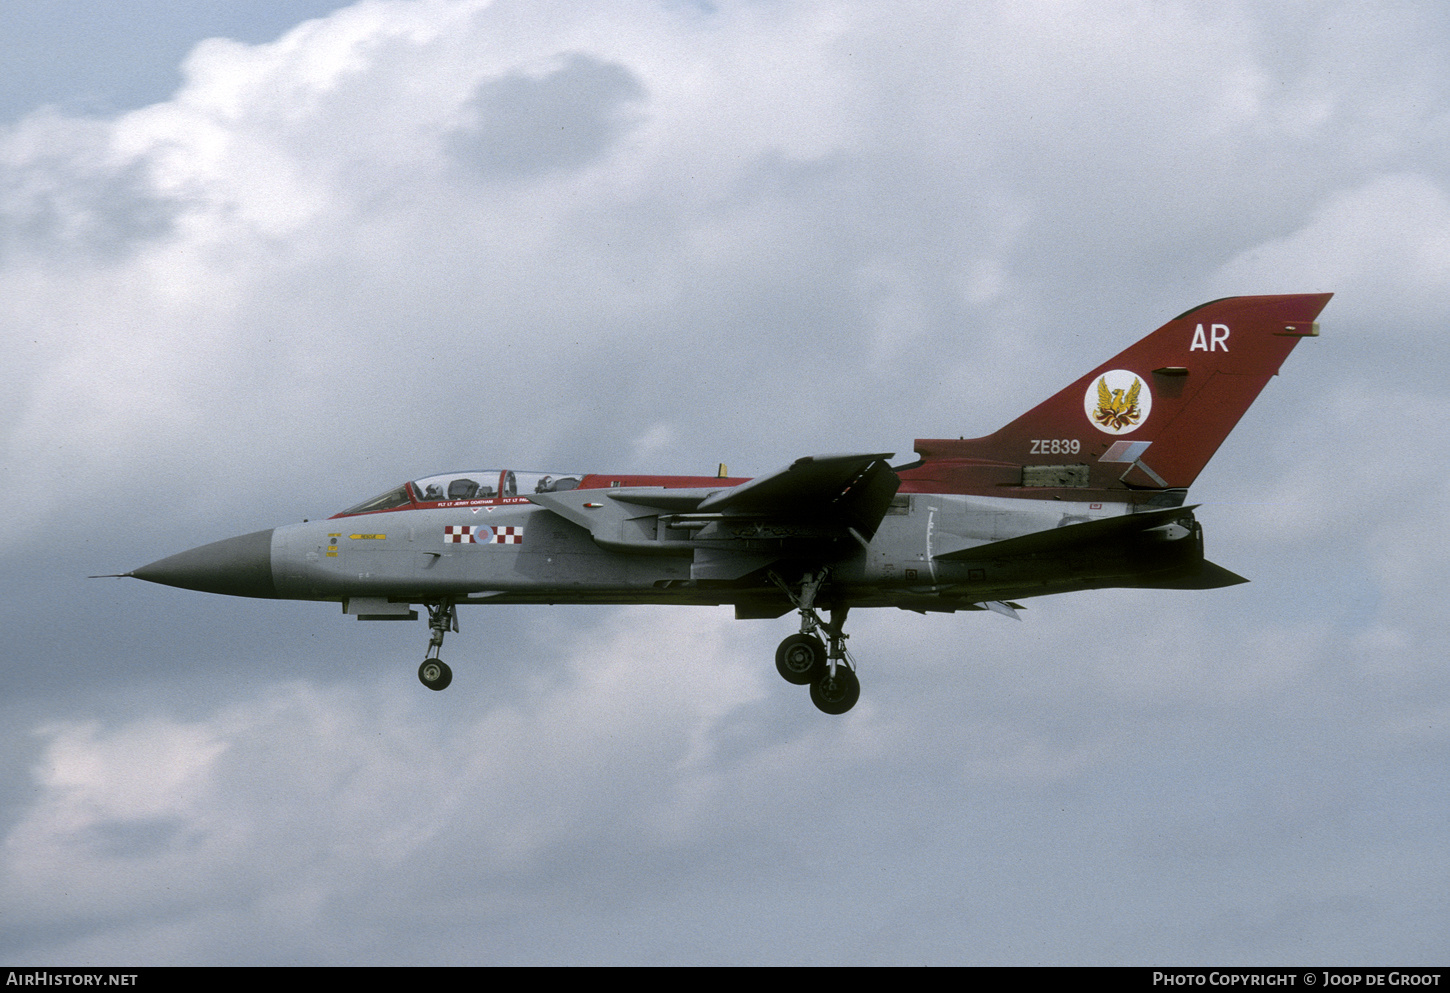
x=434 y=672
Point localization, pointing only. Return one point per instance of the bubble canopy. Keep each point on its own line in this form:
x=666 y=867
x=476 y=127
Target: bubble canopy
x=450 y=489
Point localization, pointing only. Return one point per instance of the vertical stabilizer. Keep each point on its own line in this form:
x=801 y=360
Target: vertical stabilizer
x=1149 y=418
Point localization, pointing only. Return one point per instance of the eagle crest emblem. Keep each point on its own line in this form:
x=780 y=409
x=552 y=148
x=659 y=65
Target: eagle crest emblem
x=1118 y=402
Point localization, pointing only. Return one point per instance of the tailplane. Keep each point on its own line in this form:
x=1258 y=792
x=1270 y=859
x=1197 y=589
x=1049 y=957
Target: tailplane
x=1149 y=418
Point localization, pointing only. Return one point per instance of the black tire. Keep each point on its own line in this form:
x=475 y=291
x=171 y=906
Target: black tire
x=801 y=659
x=836 y=694
x=435 y=674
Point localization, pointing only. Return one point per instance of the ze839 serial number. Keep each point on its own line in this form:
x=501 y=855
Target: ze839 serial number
x=1055 y=446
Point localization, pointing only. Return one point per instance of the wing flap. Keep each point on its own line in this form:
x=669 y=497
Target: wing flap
x=801 y=487
x=847 y=491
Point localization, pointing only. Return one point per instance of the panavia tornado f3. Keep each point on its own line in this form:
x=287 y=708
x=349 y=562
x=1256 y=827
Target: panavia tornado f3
x=1084 y=491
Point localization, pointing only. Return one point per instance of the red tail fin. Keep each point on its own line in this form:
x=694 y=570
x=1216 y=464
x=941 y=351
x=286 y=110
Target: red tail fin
x=1149 y=418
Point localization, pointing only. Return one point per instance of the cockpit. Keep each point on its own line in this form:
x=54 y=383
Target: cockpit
x=462 y=489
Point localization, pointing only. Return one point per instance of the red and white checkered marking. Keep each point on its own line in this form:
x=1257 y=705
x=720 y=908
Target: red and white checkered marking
x=482 y=534
x=508 y=536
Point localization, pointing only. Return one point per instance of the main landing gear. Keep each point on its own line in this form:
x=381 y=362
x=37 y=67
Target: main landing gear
x=803 y=659
x=434 y=672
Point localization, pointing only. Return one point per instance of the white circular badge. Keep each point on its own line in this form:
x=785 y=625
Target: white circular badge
x=1117 y=402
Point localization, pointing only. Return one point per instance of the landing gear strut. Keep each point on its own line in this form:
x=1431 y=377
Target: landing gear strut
x=434 y=672
x=805 y=659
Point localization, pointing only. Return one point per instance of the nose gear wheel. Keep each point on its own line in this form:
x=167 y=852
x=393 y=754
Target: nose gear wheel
x=434 y=672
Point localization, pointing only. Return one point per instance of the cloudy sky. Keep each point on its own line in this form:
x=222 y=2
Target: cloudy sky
x=259 y=264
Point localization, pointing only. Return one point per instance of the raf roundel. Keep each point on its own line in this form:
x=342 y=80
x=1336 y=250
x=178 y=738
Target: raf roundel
x=1117 y=402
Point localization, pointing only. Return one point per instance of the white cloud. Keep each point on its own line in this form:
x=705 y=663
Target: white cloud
x=291 y=791
x=1383 y=247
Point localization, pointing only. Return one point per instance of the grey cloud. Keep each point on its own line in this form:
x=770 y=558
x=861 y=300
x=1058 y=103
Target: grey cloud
x=528 y=126
x=69 y=207
x=135 y=839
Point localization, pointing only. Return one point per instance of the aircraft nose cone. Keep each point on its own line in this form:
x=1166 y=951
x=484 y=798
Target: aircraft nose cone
x=240 y=566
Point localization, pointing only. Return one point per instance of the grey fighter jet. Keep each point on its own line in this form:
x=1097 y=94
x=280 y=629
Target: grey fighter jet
x=1085 y=491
